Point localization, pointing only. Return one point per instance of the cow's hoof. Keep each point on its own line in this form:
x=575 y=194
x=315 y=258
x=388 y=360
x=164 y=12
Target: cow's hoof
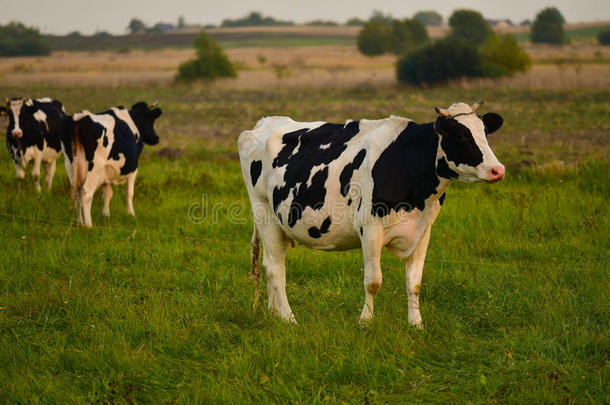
x=418 y=325
x=106 y=213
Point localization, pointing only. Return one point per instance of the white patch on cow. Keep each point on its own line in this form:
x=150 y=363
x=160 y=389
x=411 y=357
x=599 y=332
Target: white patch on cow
x=15 y=106
x=29 y=102
x=325 y=146
x=314 y=170
x=42 y=118
x=44 y=100
x=124 y=116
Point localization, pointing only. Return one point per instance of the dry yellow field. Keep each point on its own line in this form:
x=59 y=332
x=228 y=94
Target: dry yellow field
x=577 y=65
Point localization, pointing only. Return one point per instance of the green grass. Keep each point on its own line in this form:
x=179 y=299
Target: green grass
x=157 y=308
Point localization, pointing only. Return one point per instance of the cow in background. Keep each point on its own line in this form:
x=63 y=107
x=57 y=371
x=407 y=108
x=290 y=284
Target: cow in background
x=106 y=149
x=34 y=131
x=363 y=184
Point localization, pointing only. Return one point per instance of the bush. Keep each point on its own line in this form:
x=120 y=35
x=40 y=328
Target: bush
x=604 y=36
x=211 y=61
x=406 y=36
x=16 y=39
x=501 y=55
x=431 y=18
x=448 y=58
x=378 y=37
x=469 y=26
x=374 y=38
x=548 y=27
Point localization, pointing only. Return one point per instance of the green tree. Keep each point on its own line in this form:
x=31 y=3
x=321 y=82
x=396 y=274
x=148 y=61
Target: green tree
x=375 y=38
x=355 y=21
x=181 y=22
x=398 y=36
x=406 y=36
x=211 y=61
x=136 y=26
x=16 y=39
x=378 y=16
x=431 y=18
x=470 y=26
x=604 y=36
x=501 y=55
x=548 y=27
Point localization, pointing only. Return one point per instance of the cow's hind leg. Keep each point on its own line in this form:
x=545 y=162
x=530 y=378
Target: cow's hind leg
x=36 y=170
x=49 y=173
x=131 y=181
x=372 y=242
x=275 y=246
x=107 y=197
x=414 y=266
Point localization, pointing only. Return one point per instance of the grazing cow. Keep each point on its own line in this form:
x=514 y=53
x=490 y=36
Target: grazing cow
x=367 y=184
x=106 y=149
x=34 y=131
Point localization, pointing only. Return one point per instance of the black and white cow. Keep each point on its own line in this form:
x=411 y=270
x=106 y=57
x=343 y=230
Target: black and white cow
x=367 y=184
x=34 y=130
x=106 y=149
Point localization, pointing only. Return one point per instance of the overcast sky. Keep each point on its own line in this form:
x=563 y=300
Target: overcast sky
x=89 y=16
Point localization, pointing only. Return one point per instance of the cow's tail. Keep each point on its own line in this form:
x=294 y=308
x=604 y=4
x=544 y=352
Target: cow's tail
x=256 y=268
x=79 y=166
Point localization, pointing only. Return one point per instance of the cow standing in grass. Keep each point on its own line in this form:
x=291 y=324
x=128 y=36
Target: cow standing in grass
x=34 y=131
x=106 y=149
x=366 y=184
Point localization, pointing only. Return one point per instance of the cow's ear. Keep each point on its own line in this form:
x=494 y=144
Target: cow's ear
x=156 y=113
x=492 y=122
x=445 y=125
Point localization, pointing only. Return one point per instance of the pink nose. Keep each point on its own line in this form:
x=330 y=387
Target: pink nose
x=17 y=133
x=496 y=174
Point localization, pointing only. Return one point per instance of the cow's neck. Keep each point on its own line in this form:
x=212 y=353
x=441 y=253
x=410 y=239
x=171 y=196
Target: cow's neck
x=444 y=178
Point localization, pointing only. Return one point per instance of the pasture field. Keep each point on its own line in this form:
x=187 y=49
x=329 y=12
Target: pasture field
x=157 y=308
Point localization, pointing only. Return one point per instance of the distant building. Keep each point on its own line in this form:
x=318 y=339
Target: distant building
x=501 y=23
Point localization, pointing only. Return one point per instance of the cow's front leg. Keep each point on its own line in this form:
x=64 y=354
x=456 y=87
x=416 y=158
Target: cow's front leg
x=49 y=173
x=131 y=181
x=36 y=171
x=414 y=266
x=19 y=172
x=372 y=242
x=107 y=197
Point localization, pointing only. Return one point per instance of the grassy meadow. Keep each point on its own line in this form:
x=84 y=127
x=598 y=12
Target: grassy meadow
x=157 y=308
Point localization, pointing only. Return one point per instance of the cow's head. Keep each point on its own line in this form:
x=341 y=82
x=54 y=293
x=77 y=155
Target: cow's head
x=144 y=116
x=463 y=142
x=20 y=116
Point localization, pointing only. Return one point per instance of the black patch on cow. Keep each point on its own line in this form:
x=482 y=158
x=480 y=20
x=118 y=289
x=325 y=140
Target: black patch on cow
x=443 y=169
x=126 y=144
x=318 y=232
x=361 y=231
x=105 y=140
x=349 y=202
x=404 y=175
x=255 y=171
x=300 y=164
x=442 y=199
x=492 y=122
x=346 y=174
x=359 y=203
x=458 y=142
x=88 y=132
